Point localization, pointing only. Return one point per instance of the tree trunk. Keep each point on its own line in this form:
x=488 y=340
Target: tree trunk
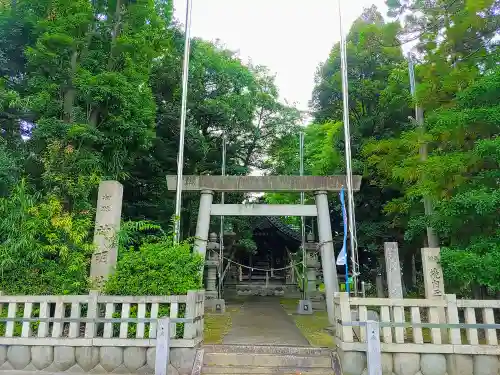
x=413 y=271
x=69 y=96
x=476 y=291
x=407 y=270
x=251 y=149
x=94 y=116
x=115 y=33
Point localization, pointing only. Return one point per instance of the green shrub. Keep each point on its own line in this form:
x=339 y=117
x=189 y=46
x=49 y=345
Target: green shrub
x=159 y=268
x=154 y=265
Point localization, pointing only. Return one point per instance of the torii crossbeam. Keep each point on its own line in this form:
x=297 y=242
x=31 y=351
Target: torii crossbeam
x=263 y=183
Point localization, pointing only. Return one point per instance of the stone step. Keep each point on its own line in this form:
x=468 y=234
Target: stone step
x=306 y=351
x=256 y=277
x=265 y=360
x=226 y=370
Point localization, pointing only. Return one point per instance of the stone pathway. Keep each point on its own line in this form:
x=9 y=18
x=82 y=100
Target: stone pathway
x=262 y=321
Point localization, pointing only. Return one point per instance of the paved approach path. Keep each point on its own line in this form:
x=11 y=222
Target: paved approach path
x=262 y=321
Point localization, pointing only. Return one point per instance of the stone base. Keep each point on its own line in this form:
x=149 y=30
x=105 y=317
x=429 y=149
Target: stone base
x=318 y=300
x=354 y=363
x=305 y=307
x=256 y=289
x=211 y=294
x=260 y=290
x=216 y=305
x=92 y=360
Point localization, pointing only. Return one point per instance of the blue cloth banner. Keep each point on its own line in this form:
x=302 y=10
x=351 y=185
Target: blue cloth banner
x=342 y=257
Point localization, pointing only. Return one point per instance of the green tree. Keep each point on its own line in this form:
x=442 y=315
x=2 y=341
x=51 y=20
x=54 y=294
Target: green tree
x=43 y=248
x=225 y=96
x=461 y=177
x=456 y=40
x=379 y=106
x=77 y=74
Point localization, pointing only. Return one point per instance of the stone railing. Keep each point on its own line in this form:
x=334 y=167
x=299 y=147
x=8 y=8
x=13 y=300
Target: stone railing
x=97 y=333
x=427 y=336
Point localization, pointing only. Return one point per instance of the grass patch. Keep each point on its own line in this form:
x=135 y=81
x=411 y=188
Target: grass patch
x=218 y=325
x=313 y=327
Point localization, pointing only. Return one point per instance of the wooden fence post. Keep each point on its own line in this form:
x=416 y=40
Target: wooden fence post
x=162 y=346
x=373 y=355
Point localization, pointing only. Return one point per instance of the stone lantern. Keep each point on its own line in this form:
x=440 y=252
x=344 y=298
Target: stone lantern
x=211 y=264
x=311 y=262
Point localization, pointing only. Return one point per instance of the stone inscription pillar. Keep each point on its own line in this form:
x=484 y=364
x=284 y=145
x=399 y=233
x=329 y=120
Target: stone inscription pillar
x=434 y=281
x=203 y=224
x=433 y=273
x=107 y=225
x=394 y=284
x=327 y=255
x=393 y=270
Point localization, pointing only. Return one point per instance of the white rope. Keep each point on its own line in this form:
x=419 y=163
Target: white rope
x=261 y=269
x=320 y=245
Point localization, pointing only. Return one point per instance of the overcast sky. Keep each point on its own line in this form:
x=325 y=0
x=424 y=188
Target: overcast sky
x=291 y=37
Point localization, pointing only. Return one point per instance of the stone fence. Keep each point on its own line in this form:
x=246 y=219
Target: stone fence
x=419 y=336
x=97 y=333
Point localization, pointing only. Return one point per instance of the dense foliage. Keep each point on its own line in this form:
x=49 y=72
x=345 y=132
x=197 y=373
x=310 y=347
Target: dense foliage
x=91 y=91
x=458 y=88
x=44 y=249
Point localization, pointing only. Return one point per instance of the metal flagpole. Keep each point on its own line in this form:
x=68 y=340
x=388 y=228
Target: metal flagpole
x=303 y=221
x=221 y=235
x=347 y=136
x=180 y=156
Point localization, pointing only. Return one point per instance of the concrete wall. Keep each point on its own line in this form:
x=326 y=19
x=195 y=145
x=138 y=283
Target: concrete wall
x=354 y=363
x=95 y=360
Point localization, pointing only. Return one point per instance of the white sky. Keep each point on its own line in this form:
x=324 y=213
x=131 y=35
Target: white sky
x=290 y=37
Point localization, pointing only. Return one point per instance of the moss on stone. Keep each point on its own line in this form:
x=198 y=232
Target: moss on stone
x=218 y=325
x=313 y=327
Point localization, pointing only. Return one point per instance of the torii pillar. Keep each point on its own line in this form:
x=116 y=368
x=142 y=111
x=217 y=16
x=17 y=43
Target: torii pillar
x=203 y=223
x=319 y=185
x=328 y=263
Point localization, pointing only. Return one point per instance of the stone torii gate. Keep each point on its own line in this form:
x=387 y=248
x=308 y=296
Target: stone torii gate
x=319 y=185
